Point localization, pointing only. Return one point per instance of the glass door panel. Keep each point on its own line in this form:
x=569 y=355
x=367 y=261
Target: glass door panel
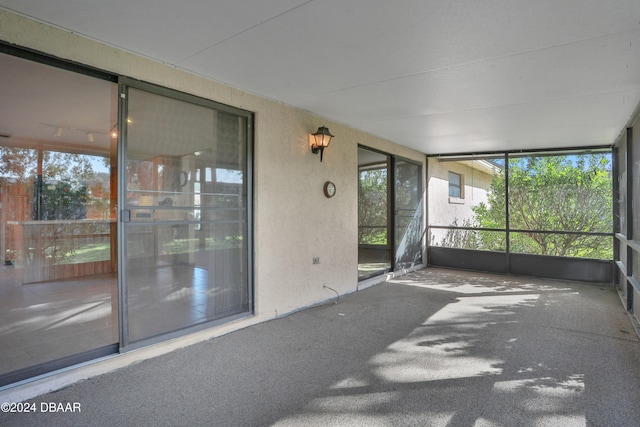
x=58 y=288
x=186 y=202
x=408 y=214
x=374 y=243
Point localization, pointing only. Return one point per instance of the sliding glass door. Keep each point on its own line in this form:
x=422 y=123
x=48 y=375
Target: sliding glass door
x=390 y=213
x=125 y=214
x=58 y=288
x=374 y=243
x=185 y=215
x=408 y=215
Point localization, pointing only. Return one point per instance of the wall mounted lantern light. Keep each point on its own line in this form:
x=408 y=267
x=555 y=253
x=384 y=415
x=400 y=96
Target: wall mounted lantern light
x=320 y=140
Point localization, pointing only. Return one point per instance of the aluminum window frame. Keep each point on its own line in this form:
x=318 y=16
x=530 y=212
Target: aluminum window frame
x=125 y=83
x=508 y=254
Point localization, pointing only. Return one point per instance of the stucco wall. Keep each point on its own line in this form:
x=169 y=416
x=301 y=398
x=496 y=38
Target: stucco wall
x=446 y=211
x=441 y=210
x=294 y=222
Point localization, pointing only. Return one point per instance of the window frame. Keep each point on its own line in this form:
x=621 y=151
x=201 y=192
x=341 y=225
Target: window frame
x=126 y=344
x=460 y=187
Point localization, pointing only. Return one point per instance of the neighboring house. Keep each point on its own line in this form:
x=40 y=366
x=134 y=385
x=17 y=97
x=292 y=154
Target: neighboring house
x=455 y=187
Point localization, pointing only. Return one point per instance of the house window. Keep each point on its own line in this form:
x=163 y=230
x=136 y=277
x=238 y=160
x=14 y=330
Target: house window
x=455 y=185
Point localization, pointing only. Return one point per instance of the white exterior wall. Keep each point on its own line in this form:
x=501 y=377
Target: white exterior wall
x=294 y=222
x=444 y=210
x=476 y=183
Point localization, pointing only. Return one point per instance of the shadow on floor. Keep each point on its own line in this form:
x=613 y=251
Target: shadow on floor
x=435 y=347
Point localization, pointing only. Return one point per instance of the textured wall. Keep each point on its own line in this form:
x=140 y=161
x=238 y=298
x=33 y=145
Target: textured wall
x=294 y=222
x=476 y=183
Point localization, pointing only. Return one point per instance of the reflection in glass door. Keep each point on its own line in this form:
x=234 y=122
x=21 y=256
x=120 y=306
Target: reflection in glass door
x=374 y=243
x=408 y=214
x=58 y=289
x=185 y=216
x=390 y=213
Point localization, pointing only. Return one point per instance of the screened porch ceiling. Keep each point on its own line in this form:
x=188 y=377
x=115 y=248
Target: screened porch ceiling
x=437 y=76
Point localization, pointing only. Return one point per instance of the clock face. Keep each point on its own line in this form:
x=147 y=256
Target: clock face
x=329 y=189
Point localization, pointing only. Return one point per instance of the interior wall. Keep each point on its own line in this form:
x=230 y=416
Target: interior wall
x=293 y=221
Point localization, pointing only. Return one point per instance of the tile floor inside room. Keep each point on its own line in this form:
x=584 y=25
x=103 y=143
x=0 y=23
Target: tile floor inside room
x=40 y=322
x=46 y=321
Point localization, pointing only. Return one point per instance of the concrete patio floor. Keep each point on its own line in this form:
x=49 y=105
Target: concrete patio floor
x=432 y=348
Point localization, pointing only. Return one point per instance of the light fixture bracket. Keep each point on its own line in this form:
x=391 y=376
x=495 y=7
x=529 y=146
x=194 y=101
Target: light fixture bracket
x=320 y=140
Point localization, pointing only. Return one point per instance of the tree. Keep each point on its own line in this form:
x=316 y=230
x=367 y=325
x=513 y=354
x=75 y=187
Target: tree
x=552 y=193
x=62 y=201
x=372 y=207
x=61 y=192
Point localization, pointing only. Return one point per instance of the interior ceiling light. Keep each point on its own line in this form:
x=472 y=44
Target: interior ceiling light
x=90 y=133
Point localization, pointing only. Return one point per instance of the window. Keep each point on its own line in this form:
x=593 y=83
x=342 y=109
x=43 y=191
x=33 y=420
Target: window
x=455 y=185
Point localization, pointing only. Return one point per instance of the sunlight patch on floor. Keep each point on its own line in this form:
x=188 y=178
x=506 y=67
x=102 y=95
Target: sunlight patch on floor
x=540 y=421
x=312 y=419
x=470 y=287
x=355 y=403
x=492 y=308
x=418 y=359
x=350 y=383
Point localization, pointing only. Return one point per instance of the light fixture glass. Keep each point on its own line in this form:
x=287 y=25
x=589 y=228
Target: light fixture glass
x=321 y=140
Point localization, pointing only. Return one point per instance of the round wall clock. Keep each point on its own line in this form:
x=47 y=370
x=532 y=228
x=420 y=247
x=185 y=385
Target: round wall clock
x=329 y=189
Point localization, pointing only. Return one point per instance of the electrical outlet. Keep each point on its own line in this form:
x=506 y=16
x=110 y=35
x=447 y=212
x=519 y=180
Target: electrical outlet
x=316 y=260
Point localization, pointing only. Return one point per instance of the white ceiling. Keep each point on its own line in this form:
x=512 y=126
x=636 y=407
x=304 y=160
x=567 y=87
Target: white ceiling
x=440 y=76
